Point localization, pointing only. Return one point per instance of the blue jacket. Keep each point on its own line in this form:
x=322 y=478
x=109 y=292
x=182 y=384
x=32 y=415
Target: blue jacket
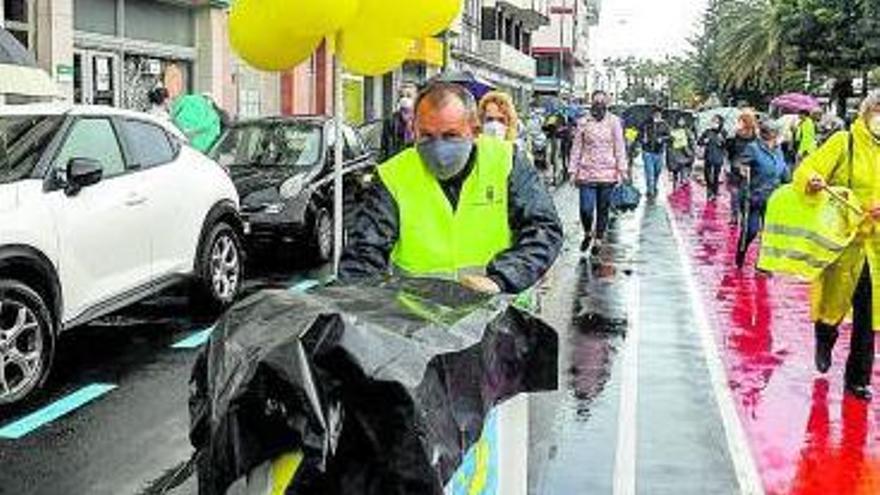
x=768 y=167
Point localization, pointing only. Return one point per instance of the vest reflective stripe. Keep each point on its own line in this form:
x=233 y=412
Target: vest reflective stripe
x=804 y=236
x=786 y=230
x=435 y=240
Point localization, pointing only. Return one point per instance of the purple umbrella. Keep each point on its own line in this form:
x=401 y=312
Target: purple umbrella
x=795 y=102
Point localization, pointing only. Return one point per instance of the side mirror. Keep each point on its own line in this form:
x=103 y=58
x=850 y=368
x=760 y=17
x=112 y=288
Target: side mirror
x=82 y=173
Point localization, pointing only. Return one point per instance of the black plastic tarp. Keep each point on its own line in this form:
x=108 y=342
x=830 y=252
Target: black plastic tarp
x=383 y=387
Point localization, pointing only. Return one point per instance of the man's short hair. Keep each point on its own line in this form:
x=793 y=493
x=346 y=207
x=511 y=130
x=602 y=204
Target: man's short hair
x=440 y=93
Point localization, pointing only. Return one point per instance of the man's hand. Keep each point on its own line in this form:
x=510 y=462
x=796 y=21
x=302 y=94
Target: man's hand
x=816 y=184
x=874 y=212
x=480 y=283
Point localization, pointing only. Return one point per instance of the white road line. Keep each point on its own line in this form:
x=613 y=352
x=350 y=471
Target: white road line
x=740 y=453
x=627 y=420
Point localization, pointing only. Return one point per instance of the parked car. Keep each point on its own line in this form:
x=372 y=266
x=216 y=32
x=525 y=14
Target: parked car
x=283 y=170
x=100 y=208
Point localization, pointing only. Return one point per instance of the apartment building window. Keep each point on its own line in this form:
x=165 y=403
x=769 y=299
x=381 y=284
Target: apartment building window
x=18 y=20
x=546 y=66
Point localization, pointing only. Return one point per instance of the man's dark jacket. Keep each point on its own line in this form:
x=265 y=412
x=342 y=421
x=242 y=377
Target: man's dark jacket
x=536 y=228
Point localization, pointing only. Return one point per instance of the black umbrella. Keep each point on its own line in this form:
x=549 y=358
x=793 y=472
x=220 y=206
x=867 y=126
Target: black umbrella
x=476 y=86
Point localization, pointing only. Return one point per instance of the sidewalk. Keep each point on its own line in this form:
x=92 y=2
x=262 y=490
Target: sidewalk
x=636 y=410
x=806 y=437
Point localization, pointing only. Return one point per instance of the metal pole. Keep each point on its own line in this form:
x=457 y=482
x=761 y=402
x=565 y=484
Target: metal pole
x=561 y=50
x=338 y=116
x=447 y=50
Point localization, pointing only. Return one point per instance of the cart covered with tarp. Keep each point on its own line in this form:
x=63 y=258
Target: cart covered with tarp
x=367 y=389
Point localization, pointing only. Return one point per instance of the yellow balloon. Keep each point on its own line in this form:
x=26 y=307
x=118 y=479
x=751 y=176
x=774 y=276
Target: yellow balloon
x=371 y=53
x=306 y=18
x=408 y=18
x=265 y=44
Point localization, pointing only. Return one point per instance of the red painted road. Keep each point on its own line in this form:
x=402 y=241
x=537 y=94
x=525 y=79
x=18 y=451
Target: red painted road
x=807 y=438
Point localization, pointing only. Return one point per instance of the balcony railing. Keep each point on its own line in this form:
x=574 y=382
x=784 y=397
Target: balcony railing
x=508 y=57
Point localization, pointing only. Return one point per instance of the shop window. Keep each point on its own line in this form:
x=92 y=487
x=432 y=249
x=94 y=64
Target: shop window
x=18 y=21
x=95 y=16
x=160 y=22
x=15 y=10
x=546 y=67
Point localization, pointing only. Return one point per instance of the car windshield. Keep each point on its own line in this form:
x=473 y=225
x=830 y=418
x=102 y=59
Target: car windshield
x=22 y=141
x=271 y=145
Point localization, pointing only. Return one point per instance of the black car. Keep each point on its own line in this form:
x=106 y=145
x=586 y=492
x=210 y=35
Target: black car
x=283 y=170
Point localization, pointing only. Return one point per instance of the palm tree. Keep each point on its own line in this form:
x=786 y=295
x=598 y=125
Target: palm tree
x=750 y=44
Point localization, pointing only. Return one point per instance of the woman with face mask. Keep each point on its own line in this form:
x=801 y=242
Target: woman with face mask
x=850 y=160
x=498 y=116
x=598 y=162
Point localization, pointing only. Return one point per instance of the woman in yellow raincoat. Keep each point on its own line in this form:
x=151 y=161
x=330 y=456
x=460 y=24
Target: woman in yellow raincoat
x=852 y=160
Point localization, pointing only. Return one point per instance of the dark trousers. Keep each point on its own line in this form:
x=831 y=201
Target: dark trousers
x=860 y=363
x=712 y=174
x=595 y=208
x=751 y=226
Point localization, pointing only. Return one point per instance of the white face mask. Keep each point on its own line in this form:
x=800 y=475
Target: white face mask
x=495 y=129
x=406 y=103
x=874 y=125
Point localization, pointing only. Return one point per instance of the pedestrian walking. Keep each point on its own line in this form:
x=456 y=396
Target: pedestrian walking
x=806 y=135
x=498 y=118
x=765 y=169
x=681 y=154
x=653 y=139
x=160 y=103
x=457 y=205
x=849 y=159
x=397 y=130
x=713 y=141
x=746 y=133
x=598 y=163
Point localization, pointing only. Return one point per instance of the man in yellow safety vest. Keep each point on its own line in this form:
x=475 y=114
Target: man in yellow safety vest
x=456 y=206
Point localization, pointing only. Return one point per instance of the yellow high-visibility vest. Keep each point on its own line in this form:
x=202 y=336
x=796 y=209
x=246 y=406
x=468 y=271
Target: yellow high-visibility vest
x=435 y=240
x=804 y=235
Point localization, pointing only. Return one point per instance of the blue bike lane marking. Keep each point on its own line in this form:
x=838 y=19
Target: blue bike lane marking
x=55 y=410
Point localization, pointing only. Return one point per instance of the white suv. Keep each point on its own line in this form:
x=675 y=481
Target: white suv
x=100 y=208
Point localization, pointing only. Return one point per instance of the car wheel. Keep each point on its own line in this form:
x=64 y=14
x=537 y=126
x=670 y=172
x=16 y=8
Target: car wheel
x=221 y=267
x=27 y=341
x=323 y=236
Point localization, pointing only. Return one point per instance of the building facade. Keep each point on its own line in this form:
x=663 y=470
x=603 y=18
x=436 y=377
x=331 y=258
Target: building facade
x=492 y=39
x=561 y=49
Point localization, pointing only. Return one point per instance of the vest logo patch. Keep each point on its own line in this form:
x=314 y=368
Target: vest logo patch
x=490 y=194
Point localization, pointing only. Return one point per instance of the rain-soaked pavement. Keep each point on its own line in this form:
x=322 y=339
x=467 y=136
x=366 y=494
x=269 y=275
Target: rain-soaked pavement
x=805 y=435
x=679 y=375
x=134 y=439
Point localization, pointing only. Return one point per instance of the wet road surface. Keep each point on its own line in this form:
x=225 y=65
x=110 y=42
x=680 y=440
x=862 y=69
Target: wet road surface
x=805 y=435
x=636 y=412
x=133 y=439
